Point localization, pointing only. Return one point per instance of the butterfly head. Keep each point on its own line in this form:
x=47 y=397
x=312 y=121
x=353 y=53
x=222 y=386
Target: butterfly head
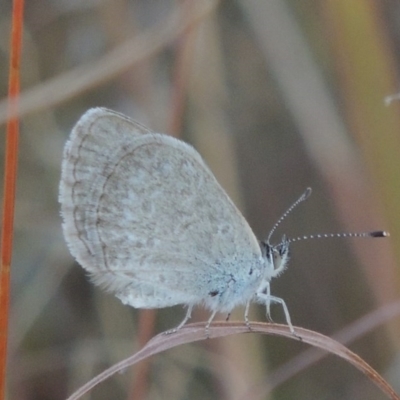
x=275 y=256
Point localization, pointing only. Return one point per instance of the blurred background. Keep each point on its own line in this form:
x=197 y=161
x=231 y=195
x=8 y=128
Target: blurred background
x=277 y=95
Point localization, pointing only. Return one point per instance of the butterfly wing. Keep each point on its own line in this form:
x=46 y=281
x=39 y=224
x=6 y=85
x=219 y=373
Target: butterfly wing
x=145 y=216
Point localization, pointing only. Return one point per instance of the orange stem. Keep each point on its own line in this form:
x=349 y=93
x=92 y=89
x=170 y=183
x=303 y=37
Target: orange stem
x=10 y=183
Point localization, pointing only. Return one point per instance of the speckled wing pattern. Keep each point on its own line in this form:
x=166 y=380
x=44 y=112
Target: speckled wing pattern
x=144 y=215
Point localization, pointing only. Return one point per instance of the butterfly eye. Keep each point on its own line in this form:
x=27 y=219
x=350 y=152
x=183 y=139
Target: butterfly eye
x=283 y=247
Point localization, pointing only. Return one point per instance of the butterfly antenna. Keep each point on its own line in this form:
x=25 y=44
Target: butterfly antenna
x=302 y=198
x=373 y=234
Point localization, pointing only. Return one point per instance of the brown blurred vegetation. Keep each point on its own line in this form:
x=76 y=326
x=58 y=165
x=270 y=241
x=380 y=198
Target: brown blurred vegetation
x=277 y=96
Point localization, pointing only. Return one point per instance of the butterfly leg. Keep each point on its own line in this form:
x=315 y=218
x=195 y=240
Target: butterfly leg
x=246 y=315
x=207 y=331
x=187 y=317
x=268 y=299
x=268 y=302
x=264 y=291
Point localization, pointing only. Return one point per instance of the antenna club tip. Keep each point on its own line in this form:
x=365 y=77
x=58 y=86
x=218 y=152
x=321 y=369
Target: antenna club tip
x=378 y=234
x=306 y=194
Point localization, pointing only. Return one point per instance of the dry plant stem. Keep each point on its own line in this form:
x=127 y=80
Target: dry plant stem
x=140 y=381
x=123 y=57
x=311 y=356
x=196 y=332
x=9 y=184
x=181 y=73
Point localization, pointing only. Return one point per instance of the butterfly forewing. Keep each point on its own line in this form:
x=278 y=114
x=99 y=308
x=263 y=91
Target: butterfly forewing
x=146 y=217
